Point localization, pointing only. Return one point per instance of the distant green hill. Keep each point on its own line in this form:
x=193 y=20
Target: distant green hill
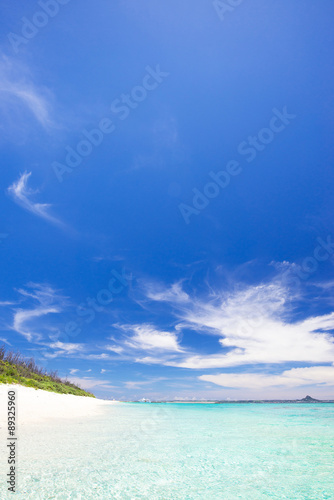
x=15 y=369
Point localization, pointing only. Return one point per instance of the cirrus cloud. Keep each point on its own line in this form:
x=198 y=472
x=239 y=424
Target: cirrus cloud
x=253 y=325
x=147 y=338
x=22 y=194
x=323 y=375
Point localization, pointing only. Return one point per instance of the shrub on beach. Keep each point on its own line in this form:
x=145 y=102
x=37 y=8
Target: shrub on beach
x=16 y=369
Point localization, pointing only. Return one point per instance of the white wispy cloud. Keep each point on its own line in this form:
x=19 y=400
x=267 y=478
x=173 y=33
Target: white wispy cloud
x=35 y=102
x=46 y=301
x=137 y=384
x=174 y=294
x=147 y=338
x=18 y=90
x=66 y=347
x=5 y=303
x=42 y=292
x=89 y=383
x=99 y=357
x=154 y=360
x=295 y=377
x=73 y=371
x=22 y=194
x=22 y=317
x=5 y=341
x=114 y=348
x=253 y=326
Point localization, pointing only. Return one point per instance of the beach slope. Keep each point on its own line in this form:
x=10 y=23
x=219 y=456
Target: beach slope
x=35 y=405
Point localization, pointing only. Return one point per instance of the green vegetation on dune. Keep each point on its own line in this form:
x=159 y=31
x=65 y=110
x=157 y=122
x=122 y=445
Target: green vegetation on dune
x=14 y=369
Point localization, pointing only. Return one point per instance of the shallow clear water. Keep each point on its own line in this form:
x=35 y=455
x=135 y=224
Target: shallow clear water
x=177 y=451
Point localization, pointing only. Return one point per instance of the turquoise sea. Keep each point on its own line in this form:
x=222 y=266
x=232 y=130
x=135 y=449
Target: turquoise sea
x=181 y=451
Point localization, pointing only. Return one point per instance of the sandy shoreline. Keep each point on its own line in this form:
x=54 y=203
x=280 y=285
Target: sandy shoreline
x=35 y=405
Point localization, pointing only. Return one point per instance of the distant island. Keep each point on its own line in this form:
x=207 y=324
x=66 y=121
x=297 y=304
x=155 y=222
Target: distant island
x=307 y=399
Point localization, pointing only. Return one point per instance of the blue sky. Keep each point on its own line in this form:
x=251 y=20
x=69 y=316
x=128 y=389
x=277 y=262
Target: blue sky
x=166 y=193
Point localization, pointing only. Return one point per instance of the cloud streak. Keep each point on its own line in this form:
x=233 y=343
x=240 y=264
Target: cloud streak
x=21 y=194
x=16 y=89
x=323 y=375
x=22 y=317
x=252 y=326
x=147 y=338
x=48 y=301
x=89 y=383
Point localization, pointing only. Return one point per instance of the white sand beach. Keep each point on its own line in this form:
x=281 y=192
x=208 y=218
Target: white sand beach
x=35 y=405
